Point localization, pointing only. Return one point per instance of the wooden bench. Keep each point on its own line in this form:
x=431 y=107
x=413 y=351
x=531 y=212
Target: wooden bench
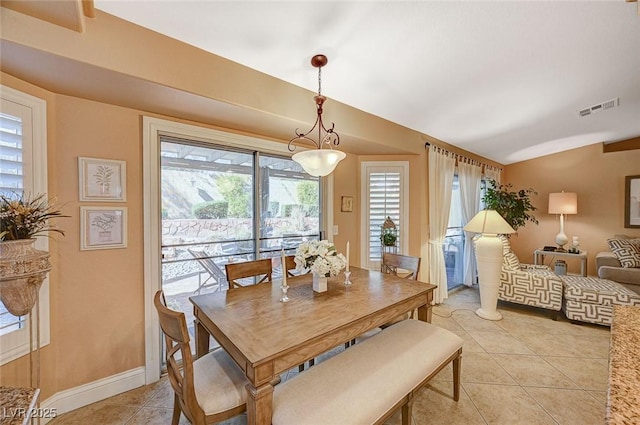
x=368 y=382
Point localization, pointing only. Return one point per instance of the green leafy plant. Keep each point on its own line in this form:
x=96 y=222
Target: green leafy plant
x=388 y=238
x=236 y=191
x=211 y=209
x=514 y=206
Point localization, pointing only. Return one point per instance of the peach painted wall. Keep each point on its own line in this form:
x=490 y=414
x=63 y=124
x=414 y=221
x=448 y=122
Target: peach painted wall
x=96 y=296
x=598 y=179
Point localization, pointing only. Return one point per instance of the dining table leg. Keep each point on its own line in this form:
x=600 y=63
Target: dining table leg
x=424 y=313
x=259 y=404
x=202 y=339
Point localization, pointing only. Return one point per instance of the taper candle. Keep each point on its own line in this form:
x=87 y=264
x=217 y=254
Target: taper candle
x=347 y=256
x=284 y=269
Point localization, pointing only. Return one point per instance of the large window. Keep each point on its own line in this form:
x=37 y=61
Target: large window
x=23 y=168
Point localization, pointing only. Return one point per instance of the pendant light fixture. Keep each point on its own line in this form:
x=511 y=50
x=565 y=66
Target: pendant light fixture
x=318 y=162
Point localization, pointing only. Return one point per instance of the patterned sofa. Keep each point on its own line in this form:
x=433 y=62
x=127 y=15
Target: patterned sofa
x=622 y=263
x=591 y=299
x=528 y=284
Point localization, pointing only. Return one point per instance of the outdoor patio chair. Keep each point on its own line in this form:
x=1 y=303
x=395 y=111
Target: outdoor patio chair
x=214 y=271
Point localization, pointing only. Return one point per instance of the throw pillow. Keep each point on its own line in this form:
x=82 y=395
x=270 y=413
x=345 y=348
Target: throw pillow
x=627 y=251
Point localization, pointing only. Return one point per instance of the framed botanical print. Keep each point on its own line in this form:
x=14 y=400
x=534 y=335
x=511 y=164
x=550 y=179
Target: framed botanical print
x=103 y=228
x=102 y=179
x=347 y=204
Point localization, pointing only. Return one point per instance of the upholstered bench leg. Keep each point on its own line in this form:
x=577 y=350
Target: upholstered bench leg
x=407 y=410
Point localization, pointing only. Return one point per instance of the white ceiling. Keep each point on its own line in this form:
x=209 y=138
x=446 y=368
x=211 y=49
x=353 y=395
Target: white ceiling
x=501 y=79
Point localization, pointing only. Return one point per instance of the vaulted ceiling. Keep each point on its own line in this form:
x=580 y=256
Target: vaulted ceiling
x=504 y=80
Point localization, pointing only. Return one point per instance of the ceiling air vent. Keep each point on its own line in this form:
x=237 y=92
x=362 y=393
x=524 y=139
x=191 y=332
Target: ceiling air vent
x=599 y=107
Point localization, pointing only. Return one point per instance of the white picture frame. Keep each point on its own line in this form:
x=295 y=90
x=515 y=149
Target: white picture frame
x=102 y=179
x=103 y=228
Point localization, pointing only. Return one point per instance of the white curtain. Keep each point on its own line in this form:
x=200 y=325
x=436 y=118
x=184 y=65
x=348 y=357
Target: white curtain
x=441 y=169
x=492 y=173
x=469 y=176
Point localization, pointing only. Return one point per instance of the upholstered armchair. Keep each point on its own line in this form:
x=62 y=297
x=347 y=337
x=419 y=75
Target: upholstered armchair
x=528 y=284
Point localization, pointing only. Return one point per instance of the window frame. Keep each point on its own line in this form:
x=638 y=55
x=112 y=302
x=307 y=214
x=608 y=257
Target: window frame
x=384 y=166
x=153 y=128
x=15 y=344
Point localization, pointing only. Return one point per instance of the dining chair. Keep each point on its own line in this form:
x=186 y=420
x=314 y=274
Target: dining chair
x=408 y=266
x=260 y=269
x=208 y=390
x=214 y=271
x=290 y=266
x=404 y=266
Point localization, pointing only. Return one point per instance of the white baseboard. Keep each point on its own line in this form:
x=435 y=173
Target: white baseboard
x=74 y=398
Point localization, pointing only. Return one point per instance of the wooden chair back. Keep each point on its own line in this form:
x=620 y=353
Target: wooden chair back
x=392 y=262
x=256 y=268
x=290 y=266
x=179 y=358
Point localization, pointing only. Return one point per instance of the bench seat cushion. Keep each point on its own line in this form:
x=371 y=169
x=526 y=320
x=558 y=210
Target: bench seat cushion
x=359 y=385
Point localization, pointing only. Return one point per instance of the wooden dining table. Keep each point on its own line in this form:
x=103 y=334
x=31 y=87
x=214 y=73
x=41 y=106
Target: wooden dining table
x=267 y=337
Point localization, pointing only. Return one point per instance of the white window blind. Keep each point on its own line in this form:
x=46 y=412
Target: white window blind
x=11 y=170
x=23 y=168
x=11 y=180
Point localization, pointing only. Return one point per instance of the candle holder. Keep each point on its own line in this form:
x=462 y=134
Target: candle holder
x=347 y=275
x=284 y=298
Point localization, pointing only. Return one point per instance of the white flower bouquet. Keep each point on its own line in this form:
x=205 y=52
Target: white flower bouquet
x=320 y=257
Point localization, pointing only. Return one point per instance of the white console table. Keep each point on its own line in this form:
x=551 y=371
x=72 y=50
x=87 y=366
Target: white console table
x=539 y=254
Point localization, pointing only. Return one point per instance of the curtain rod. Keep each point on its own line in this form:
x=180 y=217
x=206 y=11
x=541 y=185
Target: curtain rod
x=457 y=156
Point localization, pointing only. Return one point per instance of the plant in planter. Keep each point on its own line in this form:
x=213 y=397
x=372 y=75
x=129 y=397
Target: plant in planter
x=514 y=206
x=22 y=266
x=388 y=238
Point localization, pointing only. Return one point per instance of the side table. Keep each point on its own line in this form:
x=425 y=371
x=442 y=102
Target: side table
x=18 y=405
x=539 y=254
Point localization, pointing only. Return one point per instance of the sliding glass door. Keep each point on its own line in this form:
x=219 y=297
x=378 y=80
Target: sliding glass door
x=221 y=205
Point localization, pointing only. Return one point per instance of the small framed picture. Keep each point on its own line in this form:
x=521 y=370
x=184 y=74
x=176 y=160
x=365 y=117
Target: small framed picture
x=103 y=228
x=632 y=202
x=347 y=204
x=102 y=179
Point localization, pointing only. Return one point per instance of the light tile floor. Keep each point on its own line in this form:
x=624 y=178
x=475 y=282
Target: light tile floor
x=524 y=369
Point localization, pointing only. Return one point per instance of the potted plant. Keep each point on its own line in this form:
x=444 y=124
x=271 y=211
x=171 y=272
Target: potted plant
x=388 y=233
x=22 y=266
x=514 y=206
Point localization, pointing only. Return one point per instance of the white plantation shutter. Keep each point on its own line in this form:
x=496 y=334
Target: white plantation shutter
x=11 y=170
x=384 y=195
x=23 y=168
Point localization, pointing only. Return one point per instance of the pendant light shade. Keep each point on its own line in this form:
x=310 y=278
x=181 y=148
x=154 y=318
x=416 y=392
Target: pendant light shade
x=323 y=160
x=319 y=162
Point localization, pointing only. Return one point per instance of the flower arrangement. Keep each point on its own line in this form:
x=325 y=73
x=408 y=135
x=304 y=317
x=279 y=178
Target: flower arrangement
x=320 y=257
x=23 y=217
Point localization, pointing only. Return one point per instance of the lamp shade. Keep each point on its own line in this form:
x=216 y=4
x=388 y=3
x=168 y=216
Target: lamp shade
x=319 y=162
x=563 y=203
x=489 y=221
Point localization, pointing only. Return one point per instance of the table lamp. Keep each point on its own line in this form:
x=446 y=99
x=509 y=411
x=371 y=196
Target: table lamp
x=563 y=203
x=489 y=224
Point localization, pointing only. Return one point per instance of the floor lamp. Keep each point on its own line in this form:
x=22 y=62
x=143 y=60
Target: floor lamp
x=488 y=246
